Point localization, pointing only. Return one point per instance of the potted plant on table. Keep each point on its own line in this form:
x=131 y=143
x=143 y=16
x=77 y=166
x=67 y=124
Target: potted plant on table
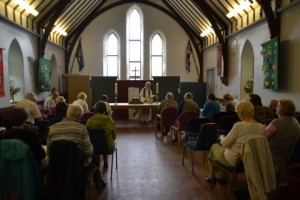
x=13 y=90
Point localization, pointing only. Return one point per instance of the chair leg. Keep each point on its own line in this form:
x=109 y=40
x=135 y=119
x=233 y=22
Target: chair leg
x=212 y=176
x=203 y=157
x=183 y=152
x=116 y=149
x=112 y=167
x=192 y=162
x=156 y=130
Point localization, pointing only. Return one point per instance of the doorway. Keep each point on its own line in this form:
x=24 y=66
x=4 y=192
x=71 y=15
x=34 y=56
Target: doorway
x=210 y=81
x=247 y=69
x=16 y=69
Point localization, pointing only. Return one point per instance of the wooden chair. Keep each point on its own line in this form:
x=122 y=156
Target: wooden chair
x=166 y=118
x=207 y=137
x=181 y=124
x=98 y=140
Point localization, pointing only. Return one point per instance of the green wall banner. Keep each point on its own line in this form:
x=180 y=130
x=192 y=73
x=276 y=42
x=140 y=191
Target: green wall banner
x=270 y=53
x=44 y=75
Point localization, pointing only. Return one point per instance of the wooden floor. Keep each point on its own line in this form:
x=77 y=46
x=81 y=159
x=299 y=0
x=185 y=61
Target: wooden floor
x=150 y=168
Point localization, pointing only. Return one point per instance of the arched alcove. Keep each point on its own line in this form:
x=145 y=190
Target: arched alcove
x=54 y=74
x=247 y=68
x=16 y=68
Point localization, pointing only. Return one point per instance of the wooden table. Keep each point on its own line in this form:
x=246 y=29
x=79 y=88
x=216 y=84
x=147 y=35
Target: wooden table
x=133 y=106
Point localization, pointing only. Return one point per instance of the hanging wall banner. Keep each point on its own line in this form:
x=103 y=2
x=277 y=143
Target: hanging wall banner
x=220 y=61
x=44 y=75
x=270 y=53
x=2 y=94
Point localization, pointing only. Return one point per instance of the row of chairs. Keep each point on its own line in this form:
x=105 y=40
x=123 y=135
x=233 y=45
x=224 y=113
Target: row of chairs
x=65 y=174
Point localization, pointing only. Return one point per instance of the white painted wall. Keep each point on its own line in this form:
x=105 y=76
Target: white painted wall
x=92 y=42
x=290 y=32
x=92 y=39
x=27 y=42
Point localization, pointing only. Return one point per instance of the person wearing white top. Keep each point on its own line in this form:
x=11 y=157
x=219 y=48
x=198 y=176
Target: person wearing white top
x=29 y=103
x=81 y=100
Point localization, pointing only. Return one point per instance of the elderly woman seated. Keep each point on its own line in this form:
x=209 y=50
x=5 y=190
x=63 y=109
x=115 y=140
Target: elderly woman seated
x=228 y=150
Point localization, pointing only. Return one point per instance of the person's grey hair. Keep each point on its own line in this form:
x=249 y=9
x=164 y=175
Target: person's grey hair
x=31 y=96
x=188 y=95
x=60 y=99
x=81 y=95
x=245 y=108
x=169 y=96
x=74 y=111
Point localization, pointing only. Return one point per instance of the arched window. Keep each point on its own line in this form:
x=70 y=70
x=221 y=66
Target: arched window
x=111 y=51
x=134 y=43
x=157 y=57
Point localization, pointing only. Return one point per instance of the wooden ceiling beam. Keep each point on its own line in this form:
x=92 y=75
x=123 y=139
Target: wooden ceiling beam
x=209 y=13
x=60 y=6
x=273 y=18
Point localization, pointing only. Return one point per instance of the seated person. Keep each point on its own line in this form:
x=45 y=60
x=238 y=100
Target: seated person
x=61 y=111
x=211 y=107
x=104 y=98
x=229 y=107
x=103 y=121
x=272 y=109
x=259 y=111
x=187 y=104
x=81 y=100
x=283 y=132
x=230 y=146
x=75 y=132
x=168 y=102
x=29 y=103
x=60 y=99
x=18 y=117
x=50 y=101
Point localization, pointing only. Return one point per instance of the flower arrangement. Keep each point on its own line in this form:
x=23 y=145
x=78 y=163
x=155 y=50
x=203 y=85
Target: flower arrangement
x=249 y=86
x=13 y=89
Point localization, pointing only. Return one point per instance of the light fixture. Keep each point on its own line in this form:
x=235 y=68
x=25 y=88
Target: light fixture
x=238 y=8
x=27 y=7
x=60 y=30
x=206 y=32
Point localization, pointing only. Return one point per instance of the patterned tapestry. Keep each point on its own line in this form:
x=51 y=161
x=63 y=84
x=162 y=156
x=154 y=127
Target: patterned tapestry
x=44 y=75
x=2 y=94
x=270 y=53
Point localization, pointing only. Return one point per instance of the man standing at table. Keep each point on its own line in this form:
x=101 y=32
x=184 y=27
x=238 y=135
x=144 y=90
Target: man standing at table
x=145 y=114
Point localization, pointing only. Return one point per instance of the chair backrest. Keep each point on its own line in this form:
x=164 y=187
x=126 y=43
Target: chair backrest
x=168 y=116
x=207 y=136
x=66 y=175
x=217 y=117
x=227 y=122
x=294 y=156
x=195 y=124
x=86 y=116
x=184 y=118
x=297 y=116
x=98 y=140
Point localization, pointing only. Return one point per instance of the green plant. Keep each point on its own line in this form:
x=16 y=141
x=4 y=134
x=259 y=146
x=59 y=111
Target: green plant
x=12 y=88
x=249 y=86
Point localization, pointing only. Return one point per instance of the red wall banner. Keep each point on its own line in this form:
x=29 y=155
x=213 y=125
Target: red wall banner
x=2 y=94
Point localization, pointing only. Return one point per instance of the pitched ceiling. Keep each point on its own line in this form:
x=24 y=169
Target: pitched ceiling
x=70 y=14
x=194 y=16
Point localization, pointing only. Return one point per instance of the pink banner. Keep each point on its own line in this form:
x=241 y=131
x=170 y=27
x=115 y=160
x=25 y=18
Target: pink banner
x=2 y=94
